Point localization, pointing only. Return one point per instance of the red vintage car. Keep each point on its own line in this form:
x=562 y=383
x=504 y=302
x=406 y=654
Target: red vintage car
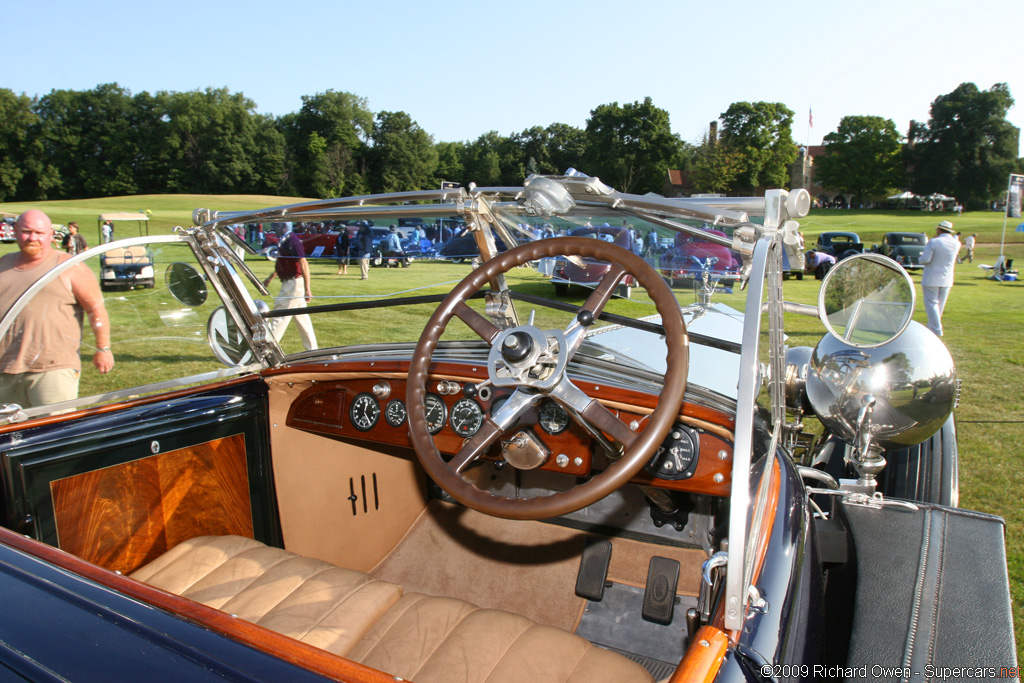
x=589 y=272
x=690 y=256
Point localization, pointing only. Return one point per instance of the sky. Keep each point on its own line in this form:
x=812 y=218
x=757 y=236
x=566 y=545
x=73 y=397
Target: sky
x=463 y=69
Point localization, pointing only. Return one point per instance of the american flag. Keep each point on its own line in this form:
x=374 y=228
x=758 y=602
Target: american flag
x=810 y=117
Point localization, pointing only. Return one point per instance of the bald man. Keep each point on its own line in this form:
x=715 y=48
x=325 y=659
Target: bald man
x=39 y=354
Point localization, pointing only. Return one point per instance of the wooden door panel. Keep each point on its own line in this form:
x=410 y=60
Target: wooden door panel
x=123 y=516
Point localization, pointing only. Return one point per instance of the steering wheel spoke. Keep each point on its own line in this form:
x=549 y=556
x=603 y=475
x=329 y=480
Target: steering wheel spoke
x=475 y=447
x=602 y=294
x=591 y=414
x=527 y=359
x=476 y=322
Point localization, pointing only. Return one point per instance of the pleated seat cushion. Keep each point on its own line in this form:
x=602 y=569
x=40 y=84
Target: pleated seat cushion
x=309 y=600
x=443 y=640
x=349 y=613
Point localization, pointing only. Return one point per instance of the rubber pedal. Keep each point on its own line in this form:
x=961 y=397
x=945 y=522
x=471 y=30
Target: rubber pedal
x=660 y=593
x=593 y=570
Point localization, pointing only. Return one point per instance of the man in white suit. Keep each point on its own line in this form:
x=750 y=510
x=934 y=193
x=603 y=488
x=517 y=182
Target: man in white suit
x=939 y=259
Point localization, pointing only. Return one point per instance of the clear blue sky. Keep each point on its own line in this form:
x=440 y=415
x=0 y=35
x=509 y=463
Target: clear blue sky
x=462 y=69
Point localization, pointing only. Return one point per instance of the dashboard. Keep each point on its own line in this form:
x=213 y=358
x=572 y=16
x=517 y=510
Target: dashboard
x=696 y=456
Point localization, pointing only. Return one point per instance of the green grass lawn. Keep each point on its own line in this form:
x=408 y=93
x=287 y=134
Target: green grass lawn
x=984 y=327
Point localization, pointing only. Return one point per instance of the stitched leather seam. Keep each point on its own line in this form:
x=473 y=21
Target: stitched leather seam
x=232 y=559
x=918 y=589
x=504 y=654
x=292 y=592
x=394 y=622
x=580 y=660
x=337 y=603
x=444 y=640
x=938 y=585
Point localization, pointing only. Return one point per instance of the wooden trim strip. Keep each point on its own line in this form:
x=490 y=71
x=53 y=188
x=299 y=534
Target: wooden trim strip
x=287 y=649
x=703 y=658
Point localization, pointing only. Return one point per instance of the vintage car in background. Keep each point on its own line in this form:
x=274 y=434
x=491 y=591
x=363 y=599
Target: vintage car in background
x=471 y=481
x=7 y=229
x=839 y=244
x=692 y=257
x=462 y=248
x=903 y=247
x=589 y=272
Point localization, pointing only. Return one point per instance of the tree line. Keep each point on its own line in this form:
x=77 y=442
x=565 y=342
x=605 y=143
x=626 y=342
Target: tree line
x=107 y=141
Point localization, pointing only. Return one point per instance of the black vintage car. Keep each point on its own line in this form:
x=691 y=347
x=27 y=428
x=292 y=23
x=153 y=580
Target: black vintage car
x=905 y=248
x=839 y=244
x=471 y=481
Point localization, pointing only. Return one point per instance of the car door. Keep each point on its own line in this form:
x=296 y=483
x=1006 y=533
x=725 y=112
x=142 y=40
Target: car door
x=173 y=441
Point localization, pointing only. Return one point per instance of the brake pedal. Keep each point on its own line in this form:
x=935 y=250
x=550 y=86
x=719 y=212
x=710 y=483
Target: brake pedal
x=593 y=570
x=660 y=593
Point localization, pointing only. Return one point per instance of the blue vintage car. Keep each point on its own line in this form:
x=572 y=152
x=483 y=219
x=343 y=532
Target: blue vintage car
x=470 y=480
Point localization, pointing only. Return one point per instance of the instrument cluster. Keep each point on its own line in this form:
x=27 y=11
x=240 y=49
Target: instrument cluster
x=375 y=410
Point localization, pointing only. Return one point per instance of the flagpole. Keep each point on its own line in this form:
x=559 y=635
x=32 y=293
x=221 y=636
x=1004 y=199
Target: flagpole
x=1006 y=213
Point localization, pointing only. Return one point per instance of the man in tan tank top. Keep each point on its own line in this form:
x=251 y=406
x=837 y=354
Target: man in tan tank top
x=39 y=354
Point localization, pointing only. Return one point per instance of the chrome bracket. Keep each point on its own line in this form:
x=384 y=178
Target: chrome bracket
x=12 y=413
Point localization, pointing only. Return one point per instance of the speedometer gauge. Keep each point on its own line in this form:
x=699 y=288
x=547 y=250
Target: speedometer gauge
x=364 y=412
x=395 y=413
x=553 y=417
x=467 y=417
x=436 y=413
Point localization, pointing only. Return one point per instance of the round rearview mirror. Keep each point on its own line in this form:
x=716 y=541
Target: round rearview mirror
x=186 y=284
x=866 y=300
x=226 y=339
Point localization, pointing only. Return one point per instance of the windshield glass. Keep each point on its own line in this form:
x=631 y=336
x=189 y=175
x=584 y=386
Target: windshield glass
x=149 y=301
x=362 y=265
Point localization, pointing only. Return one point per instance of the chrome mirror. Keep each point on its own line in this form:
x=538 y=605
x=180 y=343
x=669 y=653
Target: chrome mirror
x=226 y=339
x=866 y=300
x=186 y=284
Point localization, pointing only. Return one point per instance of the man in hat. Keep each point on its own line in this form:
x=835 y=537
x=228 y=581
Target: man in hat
x=939 y=259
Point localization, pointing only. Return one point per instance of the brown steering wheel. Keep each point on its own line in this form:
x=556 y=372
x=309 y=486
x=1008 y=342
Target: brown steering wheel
x=516 y=354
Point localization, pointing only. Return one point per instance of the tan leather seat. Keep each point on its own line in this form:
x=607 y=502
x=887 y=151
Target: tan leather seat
x=416 y=637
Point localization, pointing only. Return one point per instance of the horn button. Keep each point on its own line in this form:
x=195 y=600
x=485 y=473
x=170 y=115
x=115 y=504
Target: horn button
x=527 y=356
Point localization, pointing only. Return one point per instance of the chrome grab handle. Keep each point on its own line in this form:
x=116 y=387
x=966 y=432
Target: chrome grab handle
x=13 y=413
x=707 y=570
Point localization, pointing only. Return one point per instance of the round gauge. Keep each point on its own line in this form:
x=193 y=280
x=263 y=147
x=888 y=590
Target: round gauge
x=436 y=413
x=395 y=413
x=677 y=456
x=553 y=417
x=364 y=412
x=467 y=417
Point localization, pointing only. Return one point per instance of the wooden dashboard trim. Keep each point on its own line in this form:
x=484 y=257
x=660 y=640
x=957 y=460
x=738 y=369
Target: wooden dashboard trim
x=712 y=477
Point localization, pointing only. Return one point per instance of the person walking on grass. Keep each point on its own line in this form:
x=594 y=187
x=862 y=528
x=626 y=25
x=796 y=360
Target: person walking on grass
x=939 y=260
x=342 y=247
x=969 y=245
x=293 y=270
x=73 y=242
x=364 y=245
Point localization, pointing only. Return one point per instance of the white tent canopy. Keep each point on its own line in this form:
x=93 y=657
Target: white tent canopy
x=906 y=195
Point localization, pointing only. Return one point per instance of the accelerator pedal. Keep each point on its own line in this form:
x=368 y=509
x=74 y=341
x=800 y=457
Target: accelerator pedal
x=660 y=593
x=593 y=570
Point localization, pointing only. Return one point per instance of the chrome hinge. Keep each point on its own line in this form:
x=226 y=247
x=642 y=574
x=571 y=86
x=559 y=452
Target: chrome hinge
x=12 y=413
